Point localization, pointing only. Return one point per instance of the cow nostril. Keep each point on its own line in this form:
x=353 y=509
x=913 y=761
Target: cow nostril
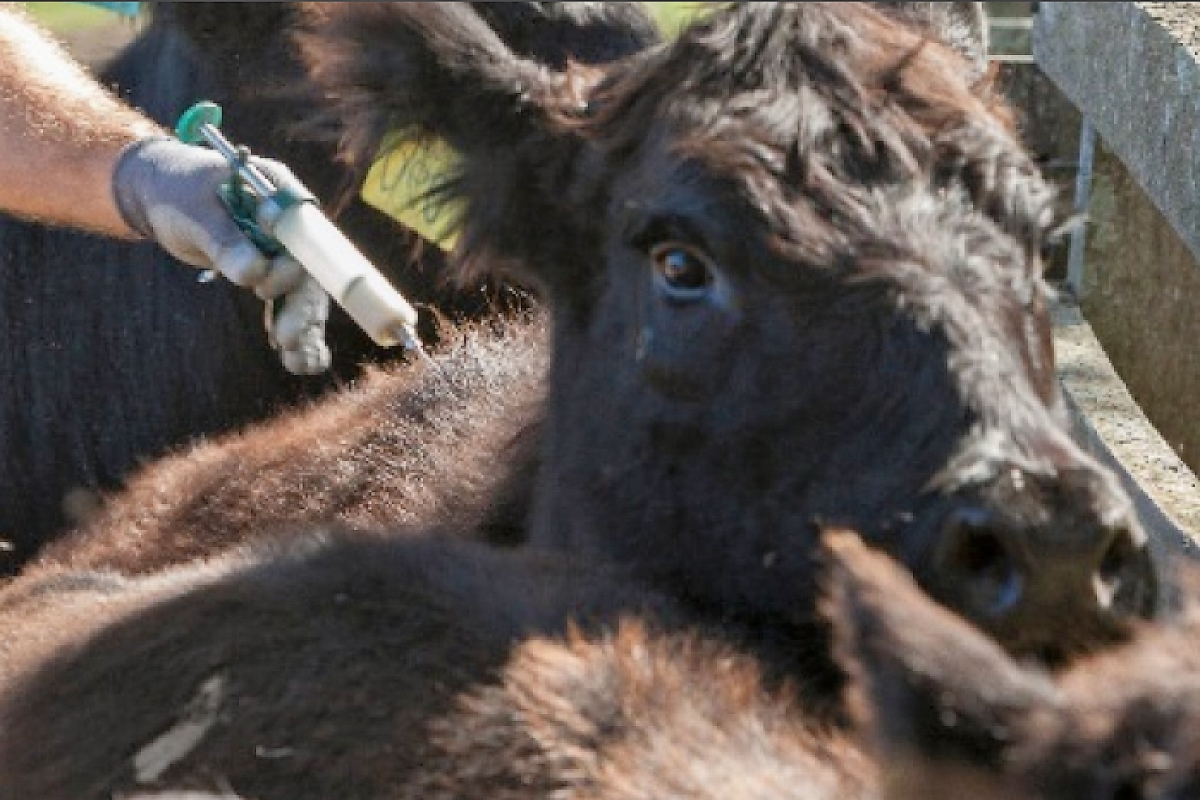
x=980 y=553
x=975 y=555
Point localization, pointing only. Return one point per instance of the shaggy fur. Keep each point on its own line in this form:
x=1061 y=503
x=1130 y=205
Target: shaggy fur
x=872 y=348
x=403 y=445
x=312 y=666
x=949 y=714
x=864 y=340
x=113 y=354
x=446 y=672
x=636 y=716
x=420 y=668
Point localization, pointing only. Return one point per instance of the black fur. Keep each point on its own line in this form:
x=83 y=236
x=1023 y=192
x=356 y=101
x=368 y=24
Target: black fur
x=872 y=351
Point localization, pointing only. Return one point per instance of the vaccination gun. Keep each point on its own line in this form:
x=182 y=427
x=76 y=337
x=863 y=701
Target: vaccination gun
x=279 y=219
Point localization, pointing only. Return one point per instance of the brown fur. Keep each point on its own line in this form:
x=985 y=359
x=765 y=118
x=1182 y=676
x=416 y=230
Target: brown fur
x=416 y=671
x=320 y=661
x=406 y=444
x=885 y=365
x=638 y=714
x=949 y=714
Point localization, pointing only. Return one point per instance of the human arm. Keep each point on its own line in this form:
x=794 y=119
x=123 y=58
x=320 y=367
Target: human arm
x=73 y=154
x=61 y=133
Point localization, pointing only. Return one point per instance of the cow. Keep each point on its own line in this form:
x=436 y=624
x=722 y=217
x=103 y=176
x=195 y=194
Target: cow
x=303 y=667
x=161 y=358
x=792 y=266
x=348 y=665
x=741 y=349
x=238 y=488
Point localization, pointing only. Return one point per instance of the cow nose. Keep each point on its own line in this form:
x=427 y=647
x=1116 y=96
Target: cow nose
x=1050 y=587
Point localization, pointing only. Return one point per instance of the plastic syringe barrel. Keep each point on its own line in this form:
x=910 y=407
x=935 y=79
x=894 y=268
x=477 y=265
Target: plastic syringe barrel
x=346 y=274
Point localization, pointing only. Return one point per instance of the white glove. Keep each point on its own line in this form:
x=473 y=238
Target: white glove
x=167 y=190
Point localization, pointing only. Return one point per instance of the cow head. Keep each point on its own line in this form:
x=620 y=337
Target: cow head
x=793 y=264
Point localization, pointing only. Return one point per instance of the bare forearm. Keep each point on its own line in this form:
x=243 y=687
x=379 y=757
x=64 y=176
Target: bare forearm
x=60 y=133
x=73 y=154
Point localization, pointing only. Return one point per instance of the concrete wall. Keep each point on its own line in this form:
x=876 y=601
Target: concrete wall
x=1141 y=294
x=1132 y=69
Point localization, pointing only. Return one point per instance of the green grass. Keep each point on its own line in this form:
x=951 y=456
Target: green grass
x=69 y=17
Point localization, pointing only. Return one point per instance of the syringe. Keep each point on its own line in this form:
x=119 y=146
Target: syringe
x=279 y=217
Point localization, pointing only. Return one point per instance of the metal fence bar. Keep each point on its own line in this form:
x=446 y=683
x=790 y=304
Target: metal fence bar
x=1083 y=199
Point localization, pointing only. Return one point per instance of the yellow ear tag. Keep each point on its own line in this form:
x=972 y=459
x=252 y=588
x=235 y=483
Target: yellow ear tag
x=399 y=181
x=402 y=175
x=671 y=18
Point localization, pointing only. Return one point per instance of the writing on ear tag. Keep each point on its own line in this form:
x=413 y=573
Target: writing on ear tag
x=400 y=181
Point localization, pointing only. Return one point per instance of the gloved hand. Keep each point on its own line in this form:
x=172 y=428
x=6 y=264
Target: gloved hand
x=167 y=190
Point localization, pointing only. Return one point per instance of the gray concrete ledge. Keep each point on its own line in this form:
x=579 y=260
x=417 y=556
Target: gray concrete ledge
x=1132 y=69
x=1111 y=426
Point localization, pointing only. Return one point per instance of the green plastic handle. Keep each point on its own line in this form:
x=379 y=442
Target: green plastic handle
x=241 y=206
x=194 y=119
x=239 y=202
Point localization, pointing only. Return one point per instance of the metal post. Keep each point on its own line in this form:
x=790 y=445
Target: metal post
x=1083 y=199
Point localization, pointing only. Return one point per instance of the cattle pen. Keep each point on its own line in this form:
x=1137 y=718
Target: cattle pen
x=1110 y=104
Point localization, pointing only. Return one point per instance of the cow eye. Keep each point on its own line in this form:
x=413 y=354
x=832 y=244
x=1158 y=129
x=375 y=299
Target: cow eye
x=684 y=272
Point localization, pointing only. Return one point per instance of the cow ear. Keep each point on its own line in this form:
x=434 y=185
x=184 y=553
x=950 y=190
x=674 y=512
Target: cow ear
x=432 y=70
x=557 y=34
x=963 y=26
x=935 y=699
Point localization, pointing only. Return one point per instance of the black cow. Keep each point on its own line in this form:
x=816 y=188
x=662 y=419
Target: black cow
x=792 y=269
